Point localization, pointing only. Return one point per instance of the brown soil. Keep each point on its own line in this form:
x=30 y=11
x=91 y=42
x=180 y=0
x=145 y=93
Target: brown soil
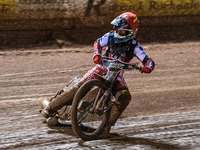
x=29 y=75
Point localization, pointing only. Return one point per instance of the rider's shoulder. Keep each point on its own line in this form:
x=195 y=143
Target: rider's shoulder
x=105 y=37
x=107 y=34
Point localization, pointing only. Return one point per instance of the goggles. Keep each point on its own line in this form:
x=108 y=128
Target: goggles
x=125 y=32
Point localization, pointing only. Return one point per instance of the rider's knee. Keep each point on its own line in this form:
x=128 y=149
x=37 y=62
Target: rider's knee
x=123 y=96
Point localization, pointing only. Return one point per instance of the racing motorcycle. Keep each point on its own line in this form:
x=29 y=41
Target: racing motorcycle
x=91 y=107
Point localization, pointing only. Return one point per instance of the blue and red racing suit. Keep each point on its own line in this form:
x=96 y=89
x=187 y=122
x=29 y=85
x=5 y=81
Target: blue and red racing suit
x=124 y=51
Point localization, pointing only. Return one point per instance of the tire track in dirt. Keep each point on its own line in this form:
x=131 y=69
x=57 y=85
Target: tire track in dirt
x=44 y=72
x=173 y=87
x=35 y=80
x=54 y=78
x=24 y=130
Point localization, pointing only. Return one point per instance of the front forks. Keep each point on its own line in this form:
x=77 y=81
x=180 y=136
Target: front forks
x=101 y=104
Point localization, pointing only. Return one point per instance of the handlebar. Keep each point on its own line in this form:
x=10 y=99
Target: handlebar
x=117 y=65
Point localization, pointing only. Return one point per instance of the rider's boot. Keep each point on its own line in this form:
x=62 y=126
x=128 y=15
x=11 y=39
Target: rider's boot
x=65 y=98
x=123 y=98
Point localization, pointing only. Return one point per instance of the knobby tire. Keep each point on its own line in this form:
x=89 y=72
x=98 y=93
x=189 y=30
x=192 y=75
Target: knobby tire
x=83 y=90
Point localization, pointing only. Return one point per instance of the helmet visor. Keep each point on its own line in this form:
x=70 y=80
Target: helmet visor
x=123 y=35
x=123 y=32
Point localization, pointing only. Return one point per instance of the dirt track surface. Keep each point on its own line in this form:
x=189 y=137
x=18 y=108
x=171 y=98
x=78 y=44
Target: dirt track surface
x=164 y=112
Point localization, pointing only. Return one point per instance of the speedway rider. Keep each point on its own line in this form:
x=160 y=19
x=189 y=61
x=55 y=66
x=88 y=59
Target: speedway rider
x=120 y=44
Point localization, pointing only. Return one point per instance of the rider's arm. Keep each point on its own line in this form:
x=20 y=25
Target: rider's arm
x=98 y=45
x=146 y=61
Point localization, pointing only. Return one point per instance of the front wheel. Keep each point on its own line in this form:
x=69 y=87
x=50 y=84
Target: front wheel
x=88 y=118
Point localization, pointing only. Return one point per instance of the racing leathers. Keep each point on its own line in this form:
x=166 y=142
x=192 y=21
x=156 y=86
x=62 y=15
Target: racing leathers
x=124 y=51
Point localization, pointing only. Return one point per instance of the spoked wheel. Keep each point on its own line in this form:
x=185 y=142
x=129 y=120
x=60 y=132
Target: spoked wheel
x=89 y=112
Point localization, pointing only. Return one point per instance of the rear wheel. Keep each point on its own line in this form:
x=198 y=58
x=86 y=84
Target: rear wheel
x=88 y=122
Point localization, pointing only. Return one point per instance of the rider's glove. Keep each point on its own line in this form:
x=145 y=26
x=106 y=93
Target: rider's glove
x=97 y=59
x=148 y=66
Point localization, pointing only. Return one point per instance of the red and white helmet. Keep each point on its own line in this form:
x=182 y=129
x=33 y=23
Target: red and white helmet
x=125 y=26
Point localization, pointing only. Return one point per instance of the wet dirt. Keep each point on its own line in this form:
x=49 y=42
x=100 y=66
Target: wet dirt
x=164 y=112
